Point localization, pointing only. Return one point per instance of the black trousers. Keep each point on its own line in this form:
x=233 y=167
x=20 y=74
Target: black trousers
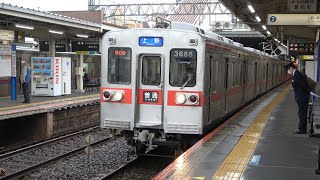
x=303 y=104
x=25 y=89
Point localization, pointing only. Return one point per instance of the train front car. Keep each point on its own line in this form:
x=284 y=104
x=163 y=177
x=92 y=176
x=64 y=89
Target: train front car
x=152 y=84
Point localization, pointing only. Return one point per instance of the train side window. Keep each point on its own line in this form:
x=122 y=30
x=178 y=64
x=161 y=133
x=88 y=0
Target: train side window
x=151 y=70
x=214 y=73
x=119 y=65
x=183 y=67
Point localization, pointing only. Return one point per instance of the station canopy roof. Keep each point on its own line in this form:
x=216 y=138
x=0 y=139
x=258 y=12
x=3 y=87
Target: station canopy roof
x=38 y=24
x=264 y=7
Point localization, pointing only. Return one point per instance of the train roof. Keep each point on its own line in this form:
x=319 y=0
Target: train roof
x=219 y=38
x=186 y=27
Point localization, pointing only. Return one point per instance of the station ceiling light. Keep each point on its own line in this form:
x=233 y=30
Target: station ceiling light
x=55 y=32
x=264 y=27
x=82 y=35
x=250 y=7
x=258 y=18
x=24 y=26
x=268 y=32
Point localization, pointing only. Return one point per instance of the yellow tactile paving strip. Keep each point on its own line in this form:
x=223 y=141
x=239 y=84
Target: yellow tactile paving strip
x=234 y=165
x=49 y=102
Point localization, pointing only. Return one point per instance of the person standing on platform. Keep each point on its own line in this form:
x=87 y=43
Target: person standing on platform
x=301 y=94
x=25 y=79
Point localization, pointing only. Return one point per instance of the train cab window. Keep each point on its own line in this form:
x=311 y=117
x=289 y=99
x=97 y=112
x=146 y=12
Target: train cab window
x=119 y=65
x=151 y=70
x=183 y=67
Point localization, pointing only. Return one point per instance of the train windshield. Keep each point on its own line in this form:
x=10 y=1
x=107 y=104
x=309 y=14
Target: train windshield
x=119 y=65
x=183 y=67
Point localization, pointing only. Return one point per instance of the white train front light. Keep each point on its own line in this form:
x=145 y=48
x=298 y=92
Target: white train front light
x=118 y=96
x=180 y=98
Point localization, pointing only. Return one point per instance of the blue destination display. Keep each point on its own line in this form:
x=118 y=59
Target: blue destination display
x=151 y=41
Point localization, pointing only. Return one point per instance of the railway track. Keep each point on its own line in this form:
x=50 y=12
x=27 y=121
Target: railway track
x=23 y=161
x=143 y=167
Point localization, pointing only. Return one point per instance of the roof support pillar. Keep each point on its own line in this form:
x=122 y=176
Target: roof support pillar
x=52 y=47
x=79 y=73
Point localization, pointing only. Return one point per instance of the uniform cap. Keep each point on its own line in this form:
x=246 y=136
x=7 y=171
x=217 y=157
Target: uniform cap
x=288 y=66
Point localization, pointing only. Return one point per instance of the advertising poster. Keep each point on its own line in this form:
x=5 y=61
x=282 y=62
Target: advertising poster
x=42 y=66
x=5 y=60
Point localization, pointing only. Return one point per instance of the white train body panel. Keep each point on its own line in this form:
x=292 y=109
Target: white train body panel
x=133 y=112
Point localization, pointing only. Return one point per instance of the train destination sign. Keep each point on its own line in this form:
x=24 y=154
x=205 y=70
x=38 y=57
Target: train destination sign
x=150 y=96
x=151 y=41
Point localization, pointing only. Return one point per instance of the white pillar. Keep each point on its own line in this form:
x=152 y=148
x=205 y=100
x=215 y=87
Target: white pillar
x=79 y=73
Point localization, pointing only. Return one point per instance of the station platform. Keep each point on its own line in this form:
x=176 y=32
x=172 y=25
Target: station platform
x=257 y=143
x=42 y=104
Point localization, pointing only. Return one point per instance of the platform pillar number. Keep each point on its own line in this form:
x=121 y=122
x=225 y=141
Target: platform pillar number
x=88 y=150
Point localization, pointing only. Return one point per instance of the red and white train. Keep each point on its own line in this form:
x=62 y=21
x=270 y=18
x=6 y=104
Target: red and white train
x=164 y=86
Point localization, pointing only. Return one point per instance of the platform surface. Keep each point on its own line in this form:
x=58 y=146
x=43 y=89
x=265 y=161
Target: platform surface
x=40 y=104
x=255 y=144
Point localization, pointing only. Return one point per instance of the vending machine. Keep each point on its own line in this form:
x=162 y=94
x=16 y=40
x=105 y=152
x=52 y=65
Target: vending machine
x=50 y=76
x=66 y=75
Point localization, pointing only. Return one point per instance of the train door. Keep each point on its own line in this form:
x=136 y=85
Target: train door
x=150 y=91
x=226 y=77
x=255 y=77
x=272 y=78
x=213 y=87
x=244 y=80
x=267 y=77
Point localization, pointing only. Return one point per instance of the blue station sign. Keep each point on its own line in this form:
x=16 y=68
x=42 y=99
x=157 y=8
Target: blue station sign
x=151 y=41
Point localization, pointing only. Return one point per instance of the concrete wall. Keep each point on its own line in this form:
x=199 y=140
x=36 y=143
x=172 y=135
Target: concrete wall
x=47 y=125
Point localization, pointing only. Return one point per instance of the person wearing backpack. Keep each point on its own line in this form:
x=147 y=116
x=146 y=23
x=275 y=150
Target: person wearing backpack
x=301 y=94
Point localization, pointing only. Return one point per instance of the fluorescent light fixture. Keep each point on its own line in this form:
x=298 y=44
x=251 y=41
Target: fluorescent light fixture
x=268 y=32
x=82 y=35
x=258 y=18
x=24 y=26
x=251 y=8
x=55 y=32
x=264 y=27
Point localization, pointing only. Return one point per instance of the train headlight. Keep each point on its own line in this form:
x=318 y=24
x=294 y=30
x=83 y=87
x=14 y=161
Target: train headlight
x=107 y=95
x=193 y=99
x=118 y=96
x=180 y=98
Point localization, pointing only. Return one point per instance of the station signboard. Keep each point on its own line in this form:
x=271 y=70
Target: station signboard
x=302 y=6
x=301 y=48
x=85 y=46
x=294 y=19
x=60 y=46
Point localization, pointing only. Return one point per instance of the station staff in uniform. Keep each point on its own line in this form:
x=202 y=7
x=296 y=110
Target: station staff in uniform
x=301 y=94
x=25 y=79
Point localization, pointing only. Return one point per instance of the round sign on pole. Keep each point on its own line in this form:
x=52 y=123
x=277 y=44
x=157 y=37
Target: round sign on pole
x=89 y=139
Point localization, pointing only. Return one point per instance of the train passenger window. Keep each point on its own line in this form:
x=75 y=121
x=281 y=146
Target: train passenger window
x=151 y=70
x=183 y=67
x=119 y=65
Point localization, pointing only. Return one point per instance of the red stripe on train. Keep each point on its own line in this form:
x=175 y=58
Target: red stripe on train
x=172 y=98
